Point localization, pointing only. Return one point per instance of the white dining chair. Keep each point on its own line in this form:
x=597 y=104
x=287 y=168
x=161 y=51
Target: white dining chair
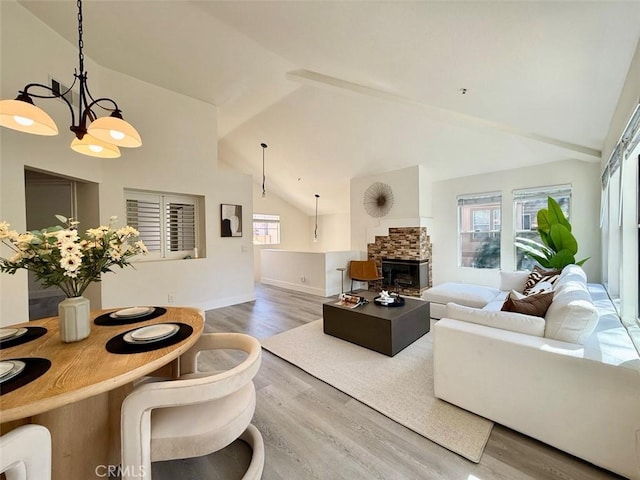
x=25 y=453
x=195 y=415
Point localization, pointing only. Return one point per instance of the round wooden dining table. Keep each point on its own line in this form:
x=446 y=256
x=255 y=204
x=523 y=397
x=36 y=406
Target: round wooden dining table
x=79 y=397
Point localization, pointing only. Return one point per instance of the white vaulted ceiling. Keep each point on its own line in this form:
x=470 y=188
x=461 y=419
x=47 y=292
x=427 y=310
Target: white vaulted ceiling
x=344 y=89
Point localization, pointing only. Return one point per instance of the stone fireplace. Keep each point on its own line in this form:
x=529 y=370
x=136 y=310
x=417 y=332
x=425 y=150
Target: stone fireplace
x=404 y=260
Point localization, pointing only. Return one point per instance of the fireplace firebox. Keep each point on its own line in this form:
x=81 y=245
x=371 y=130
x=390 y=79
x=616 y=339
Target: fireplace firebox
x=405 y=274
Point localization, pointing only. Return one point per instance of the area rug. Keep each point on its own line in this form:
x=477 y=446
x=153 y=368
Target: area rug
x=400 y=387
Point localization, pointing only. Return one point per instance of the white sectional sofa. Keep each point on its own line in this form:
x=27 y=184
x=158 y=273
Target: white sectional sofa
x=568 y=379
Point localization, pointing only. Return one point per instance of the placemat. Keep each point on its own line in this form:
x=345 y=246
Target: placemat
x=106 y=319
x=32 y=334
x=34 y=368
x=119 y=346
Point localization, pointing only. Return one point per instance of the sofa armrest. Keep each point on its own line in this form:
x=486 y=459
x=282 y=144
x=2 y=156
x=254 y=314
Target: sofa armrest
x=543 y=388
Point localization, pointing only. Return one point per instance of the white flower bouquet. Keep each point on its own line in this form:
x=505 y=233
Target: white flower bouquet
x=61 y=257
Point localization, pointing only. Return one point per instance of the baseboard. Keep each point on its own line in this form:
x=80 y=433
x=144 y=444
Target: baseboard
x=297 y=287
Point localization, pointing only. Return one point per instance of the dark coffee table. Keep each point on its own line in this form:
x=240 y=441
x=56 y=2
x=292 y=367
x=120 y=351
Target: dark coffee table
x=383 y=329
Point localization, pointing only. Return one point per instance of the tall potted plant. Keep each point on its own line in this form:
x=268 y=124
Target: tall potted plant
x=63 y=257
x=558 y=246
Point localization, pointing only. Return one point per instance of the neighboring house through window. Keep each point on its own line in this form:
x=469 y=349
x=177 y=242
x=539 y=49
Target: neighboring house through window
x=526 y=203
x=479 y=223
x=266 y=229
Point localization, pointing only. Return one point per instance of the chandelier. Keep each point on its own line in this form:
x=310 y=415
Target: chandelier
x=94 y=136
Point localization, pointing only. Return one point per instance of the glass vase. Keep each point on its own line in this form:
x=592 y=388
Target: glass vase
x=74 y=315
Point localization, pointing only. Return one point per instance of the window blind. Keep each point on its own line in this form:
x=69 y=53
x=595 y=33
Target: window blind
x=479 y=199
x=144 y=216
x=181 y=226
x=628 y=141
x=541 y=193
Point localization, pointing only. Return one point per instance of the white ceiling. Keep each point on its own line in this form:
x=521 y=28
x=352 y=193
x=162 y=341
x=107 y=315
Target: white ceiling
x=345 y=89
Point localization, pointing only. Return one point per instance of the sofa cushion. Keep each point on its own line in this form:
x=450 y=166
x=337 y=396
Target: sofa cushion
x=571 y=275
x=513 y=280
x=572 y=316
x=462 y=294
x=575 y=272
x=535 y=304
x=515 y=322
x=539 y=275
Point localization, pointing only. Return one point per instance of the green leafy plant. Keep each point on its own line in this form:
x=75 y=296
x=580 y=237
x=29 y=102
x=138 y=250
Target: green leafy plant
x=63 y=257
x=559 y=247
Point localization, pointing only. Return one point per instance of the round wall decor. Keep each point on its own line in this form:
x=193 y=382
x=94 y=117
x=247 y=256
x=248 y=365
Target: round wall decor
x=378 y=199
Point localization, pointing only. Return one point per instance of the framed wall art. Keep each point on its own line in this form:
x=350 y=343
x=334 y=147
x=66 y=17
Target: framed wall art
x=230 y=220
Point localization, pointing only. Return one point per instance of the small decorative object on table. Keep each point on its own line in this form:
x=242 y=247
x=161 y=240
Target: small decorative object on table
x=351 y=301
x=60 y=256
x=387 y=299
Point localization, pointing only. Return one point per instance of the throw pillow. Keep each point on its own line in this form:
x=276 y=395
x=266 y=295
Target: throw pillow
x=513 y=280
x=516 y=295
x=536 y=305
x=542 y=287
x=538 y=275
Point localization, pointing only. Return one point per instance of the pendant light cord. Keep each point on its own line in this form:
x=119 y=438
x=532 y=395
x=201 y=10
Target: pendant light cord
x=315 y=233
x=264 y=192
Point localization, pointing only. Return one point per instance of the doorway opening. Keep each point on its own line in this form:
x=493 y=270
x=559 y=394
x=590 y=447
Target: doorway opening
x=48 y=194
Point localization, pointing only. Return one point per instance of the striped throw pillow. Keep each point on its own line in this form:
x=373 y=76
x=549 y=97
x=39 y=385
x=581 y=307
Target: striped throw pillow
x=539 y=275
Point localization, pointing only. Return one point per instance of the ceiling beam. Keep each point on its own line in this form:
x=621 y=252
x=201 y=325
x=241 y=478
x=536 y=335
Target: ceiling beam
x=324 y=81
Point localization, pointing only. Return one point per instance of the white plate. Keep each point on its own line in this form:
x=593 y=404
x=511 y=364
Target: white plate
x=133 y=312
x=10 y=368
x=11 y=333
x=7 y=332
x=151 y=333
x=5 y=368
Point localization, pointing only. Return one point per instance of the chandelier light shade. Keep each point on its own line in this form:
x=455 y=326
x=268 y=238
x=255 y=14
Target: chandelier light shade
x=94 y=136
x=113 y=129
x=264 y=191
x=24 y=116
x=94 y=147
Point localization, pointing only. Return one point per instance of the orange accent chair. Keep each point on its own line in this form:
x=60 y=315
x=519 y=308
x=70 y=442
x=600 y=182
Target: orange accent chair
x=363 y=271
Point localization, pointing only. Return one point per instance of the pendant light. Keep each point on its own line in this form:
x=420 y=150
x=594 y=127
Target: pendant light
x=264 y=192
x=97 y=137
x=315 y=232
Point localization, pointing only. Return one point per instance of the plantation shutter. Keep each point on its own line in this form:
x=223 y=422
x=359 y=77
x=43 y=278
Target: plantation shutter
x=144 y=214
x=167 y=223
x=181 y=226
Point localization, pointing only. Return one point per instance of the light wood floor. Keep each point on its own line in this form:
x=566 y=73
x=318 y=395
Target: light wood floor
x=313 y=431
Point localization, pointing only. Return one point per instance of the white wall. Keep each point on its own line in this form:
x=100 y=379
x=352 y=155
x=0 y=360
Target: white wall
x=333 y=233
x=178 y=155
x=310 y=272
x=585 y=210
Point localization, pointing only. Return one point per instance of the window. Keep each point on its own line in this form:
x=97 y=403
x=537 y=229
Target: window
x=479 y=221
x=526 y=204
x=168 y=223
x=620 y=224
x=266 y=229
